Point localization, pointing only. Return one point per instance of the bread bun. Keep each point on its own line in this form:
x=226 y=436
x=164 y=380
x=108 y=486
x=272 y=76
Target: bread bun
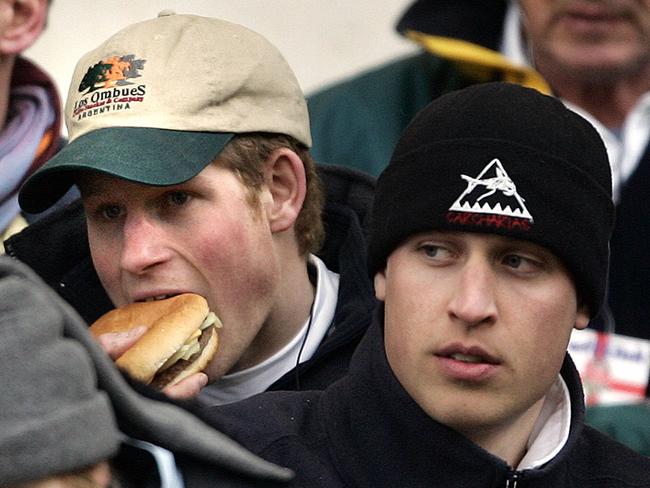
x=177 y=342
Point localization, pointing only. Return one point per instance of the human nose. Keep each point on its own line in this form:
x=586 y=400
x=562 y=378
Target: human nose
x=473 y=301
x=142 y=246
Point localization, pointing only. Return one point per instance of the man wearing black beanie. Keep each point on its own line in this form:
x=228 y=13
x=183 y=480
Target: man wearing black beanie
x=501 y=159
x=488 y=245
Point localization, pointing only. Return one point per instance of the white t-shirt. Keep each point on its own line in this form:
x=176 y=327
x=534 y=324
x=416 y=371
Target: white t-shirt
x=551 y=429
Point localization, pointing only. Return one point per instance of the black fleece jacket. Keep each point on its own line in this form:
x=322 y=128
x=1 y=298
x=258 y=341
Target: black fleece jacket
x=366 y=431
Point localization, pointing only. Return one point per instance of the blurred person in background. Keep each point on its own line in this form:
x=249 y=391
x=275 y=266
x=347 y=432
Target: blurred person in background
x=30 y=112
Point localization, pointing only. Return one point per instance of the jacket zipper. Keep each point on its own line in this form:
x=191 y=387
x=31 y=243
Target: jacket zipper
x=513 y=480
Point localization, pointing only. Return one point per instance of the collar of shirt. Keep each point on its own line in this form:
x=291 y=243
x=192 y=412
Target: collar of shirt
x=248 y=382
x=551 y=429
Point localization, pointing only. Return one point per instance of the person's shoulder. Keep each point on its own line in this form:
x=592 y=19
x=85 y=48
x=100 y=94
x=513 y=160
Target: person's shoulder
x=267 y=418
x=56 y=248
x=288 y=428
x=368 y=82
x=349 y=194
x=357 y=121
x=61 y=231
x=268 y=413
x=599 y=457
x=347 y=185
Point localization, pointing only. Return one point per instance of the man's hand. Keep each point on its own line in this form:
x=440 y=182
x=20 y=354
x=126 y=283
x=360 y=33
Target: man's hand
x=187 y=388
x=117 y=343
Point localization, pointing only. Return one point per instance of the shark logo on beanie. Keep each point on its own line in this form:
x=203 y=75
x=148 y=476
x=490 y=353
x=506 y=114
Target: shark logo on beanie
x=490 y=200
x=498 y=158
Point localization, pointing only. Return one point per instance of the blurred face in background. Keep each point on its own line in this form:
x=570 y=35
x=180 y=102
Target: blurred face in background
x=593 y=40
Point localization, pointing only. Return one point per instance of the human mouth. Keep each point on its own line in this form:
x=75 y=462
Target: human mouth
x=469 y=354
x=157 y=297
x=469 y=364
x=152 y=296
x=585 y=18
x=466 y=358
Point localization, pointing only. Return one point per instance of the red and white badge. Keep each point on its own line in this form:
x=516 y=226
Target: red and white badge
x=614 y=368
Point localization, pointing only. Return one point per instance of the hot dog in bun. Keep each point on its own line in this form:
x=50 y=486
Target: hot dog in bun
x=181 y=338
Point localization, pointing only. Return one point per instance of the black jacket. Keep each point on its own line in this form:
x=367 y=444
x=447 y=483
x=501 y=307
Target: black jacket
x=56 y=247
x=365 y=431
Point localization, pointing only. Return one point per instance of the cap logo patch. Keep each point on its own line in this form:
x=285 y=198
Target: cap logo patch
x=490 y=200
x=106 y=86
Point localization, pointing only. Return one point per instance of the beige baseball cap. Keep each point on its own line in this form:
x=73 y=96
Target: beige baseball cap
x=159 y=100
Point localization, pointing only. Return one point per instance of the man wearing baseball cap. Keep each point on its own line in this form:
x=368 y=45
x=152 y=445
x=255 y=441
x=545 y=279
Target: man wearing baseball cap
x=189 y=142
x=488 y=245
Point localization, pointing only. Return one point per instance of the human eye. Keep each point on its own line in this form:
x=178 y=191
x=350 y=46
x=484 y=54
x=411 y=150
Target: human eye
x=430 y=250
x=109 y=212
x=434 y=252
x=522 y=263
x=177 y=198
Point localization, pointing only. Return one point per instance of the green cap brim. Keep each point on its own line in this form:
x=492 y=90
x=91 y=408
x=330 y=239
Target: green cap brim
x=145 y=155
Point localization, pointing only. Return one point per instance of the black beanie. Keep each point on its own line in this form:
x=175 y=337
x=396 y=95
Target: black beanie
x=502 y=159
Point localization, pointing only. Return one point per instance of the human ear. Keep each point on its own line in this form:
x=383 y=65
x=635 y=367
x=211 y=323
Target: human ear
x=23 y=24
x=582 y=318
x=287 y=184
x=380 y=285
